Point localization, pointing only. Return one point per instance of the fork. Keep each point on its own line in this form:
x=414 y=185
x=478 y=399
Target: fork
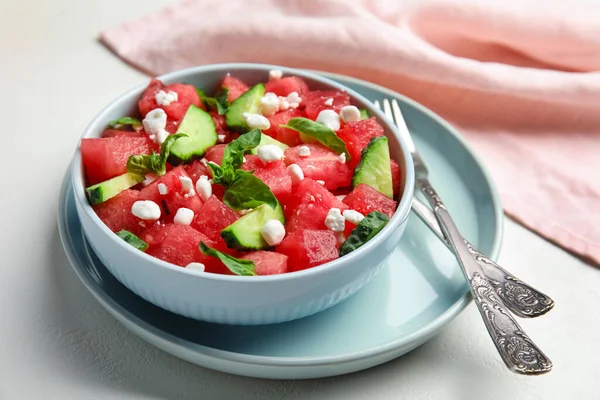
x=516 y=349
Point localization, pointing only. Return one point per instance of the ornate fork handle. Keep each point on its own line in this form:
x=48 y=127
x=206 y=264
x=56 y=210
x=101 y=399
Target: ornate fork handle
x=520 y=298
x=517 y=350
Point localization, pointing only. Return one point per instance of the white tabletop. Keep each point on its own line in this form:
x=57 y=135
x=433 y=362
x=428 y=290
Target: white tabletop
x=57 y=342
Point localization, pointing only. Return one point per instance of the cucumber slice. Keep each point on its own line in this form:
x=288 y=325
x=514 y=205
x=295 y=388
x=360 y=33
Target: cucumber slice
x=249 y=102
x=246 y=232
x=364 y=114
x=103 y=191
x=311 y=131
x=266 y=139
x=198 y=125
x=133 y=240
x=374 y=167
x=364 y=231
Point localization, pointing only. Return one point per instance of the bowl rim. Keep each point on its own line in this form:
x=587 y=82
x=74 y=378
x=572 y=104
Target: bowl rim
x=400 y=216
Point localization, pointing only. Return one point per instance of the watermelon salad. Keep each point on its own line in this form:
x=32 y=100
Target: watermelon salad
x=255 y=180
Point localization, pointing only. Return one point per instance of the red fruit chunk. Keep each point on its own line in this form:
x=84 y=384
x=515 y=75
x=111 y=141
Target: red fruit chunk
x=268 y=262
x=315 y=102
x=235 y=86
x=106 y=158
x=395 y=177
x=284 y=135
x=213 y=217
x=196 y=169
x=287 y=85
x=215 y=153
x=186 y=96
x=357 y=136
x=116 y=212
x=366 y=199
x=322 y=164
x=120 y=133
x=308 y=248
x=274 y=174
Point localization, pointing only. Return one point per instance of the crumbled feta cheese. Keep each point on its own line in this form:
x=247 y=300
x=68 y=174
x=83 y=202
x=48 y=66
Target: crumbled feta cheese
x=146 y=210
x=284 y=104
x=303 y=151
x=269 y=104
x=270 y=152
x=148 y=179
x=294 y=99
x=275 y=74
x=342 y=158
x=273 y=232
x=155 y=121
x=186 y=184
x=350 y=114
x=328 y=102
x=341 y=197
x=353 y=216
x=203 y=187
x=161 y=136
x=244 y=159
x=196 y=266
x=330 y=119
x=296 y=173
x=256 y=121
x=221 y=138
x=320 y=182
x=183 y=216
x=163 y=189
x=165 y=99
x=335 y=220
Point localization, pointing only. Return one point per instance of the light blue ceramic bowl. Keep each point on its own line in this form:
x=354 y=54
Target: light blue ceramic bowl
x=241 y=300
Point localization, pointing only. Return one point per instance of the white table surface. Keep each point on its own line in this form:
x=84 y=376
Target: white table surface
x=57 y=342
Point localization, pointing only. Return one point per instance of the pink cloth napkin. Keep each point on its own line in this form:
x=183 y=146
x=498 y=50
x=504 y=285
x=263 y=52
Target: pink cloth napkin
x=518 y=78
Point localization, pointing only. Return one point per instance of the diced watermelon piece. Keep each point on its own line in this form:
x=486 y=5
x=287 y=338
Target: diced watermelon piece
x=235 y=87
x=213 y=217
x=315 y=102
x=395 y=177
x=121 y=133
x=308 y=248
x=116 y=212
x=357 y=136
x=322 y=164
x=196 y=169
x=186 y=96
x=287 y=85
x=366 y=199
x=274 y=174
x=284 y=135
x=268 y=262
x=215 y=153
x=106 y=158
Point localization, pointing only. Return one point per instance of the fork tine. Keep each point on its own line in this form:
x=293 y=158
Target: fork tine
x=377 y=105
x=387 y=109
x=399 y=118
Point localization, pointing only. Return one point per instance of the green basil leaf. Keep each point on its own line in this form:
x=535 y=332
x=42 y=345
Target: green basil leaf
x=234 y=151
x=364 y=114
x=319 y=132
x=132 y=240
x=135 y=123
x=143 y=164
x=364 y=231
x=218 y=174
x=235 y=265
x=247 y=191
x=218 y=103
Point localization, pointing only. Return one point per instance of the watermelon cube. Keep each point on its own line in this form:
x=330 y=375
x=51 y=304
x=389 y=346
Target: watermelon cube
x=307 y=248
x=121 y=133
x=366 y=199
x=274 y=174
x=357 y=136
x=106 y=158
x=212 y=218
x=196 y=169
x=268 y=262
x=287 y=85
x=186 y=96
x=322 y=164
x=215 y=153
x=284 y=135
x=396 y=178
x=235 y=87
x=116 y=212
x=315 y=102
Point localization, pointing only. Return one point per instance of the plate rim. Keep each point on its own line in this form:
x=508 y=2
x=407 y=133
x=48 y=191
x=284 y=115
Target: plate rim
x=122 y=314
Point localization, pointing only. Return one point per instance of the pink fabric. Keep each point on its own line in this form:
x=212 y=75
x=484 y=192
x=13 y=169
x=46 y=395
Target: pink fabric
x=519 y=78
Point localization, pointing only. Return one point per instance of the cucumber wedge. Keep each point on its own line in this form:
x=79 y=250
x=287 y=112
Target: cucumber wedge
x=133 y=240
x=266 y=139
x=103 y=191
x=246 y=232
x=248 y=102
x=198 y=125
x=374 y=167
x=364 y=231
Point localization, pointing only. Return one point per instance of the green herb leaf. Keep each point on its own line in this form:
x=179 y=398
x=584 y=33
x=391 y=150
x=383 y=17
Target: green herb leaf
x=364 y=231
x=319 y=132
x=235 y=265
x=234 y=151
x=135 y=123
x=132 y=240
x=143 y=164
x=364 y=114
x=218 y=103
x=218 y=174
x=247 y=191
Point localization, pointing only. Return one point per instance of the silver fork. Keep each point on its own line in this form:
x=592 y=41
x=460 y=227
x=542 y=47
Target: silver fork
x=517 y=350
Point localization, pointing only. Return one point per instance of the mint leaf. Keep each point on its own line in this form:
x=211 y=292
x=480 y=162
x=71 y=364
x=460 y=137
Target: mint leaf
x=218 y=103
x=364 y=231
x=234 y=151
x=247 y=191
x=319 y=132
x=143 y=164
x=135 y=123
x=235 y=265
x=133 y=240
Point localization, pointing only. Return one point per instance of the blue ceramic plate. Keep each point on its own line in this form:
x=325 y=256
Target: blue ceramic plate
x=408 y=302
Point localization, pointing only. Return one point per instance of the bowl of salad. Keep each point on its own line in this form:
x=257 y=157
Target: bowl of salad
x=242 y=193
